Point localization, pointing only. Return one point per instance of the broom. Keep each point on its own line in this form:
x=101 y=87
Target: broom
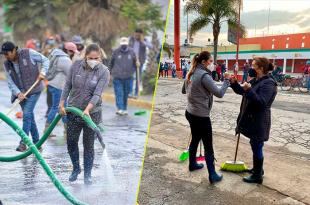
x=201 y=157
x=185 y=154
x=236 y=166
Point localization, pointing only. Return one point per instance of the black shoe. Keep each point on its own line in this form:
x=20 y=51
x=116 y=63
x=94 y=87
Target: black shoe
x=252 y=171
x=195 y=166
x=253 y=179
x=257 y=176
x=21 y=147
x=87 y=179
x=213 y=176
x=74 y=175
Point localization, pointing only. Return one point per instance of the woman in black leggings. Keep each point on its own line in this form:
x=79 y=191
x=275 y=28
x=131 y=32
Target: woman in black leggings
x=200 y=89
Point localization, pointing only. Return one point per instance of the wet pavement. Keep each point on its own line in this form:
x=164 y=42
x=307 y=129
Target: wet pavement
x=116 y=170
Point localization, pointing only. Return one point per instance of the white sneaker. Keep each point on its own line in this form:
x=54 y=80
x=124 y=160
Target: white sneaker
x=124 y=112
x=119 y=112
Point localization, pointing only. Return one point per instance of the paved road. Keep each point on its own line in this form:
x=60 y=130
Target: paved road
x=116 y=171
x=287 y=154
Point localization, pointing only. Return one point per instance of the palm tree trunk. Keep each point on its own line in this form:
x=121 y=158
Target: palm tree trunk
x=216 y=32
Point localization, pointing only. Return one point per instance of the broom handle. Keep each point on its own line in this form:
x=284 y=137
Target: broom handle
x=236 y=153
x=189 y=140
x=17 y=101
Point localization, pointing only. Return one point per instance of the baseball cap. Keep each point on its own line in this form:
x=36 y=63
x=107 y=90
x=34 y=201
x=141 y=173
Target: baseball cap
x=71 y=47
x=77 y=39
x=124 y=41
x=6 y=47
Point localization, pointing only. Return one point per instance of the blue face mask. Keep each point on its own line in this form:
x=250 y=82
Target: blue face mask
x=252 y=73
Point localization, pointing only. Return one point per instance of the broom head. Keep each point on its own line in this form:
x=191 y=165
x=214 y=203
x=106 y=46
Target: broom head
x=232 y=166
x=184 y=156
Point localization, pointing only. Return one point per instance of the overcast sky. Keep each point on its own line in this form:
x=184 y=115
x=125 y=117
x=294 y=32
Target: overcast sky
x=286 y=16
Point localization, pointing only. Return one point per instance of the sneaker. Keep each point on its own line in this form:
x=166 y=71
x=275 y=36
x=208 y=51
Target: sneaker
x=119 y=112
x=21 y=147
x=124 y=112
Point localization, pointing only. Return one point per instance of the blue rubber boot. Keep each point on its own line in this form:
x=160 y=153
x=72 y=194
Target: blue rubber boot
x=213 y=176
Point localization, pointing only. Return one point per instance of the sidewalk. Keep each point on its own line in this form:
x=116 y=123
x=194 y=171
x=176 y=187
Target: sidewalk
x=287 y=173
x=144 y=101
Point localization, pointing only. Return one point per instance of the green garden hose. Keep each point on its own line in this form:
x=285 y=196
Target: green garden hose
x=34 y=148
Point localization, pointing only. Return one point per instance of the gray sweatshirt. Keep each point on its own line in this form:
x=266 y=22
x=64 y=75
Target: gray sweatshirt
x=63 y=64
x=123 y=63
x=200 y=92
x=85 y=85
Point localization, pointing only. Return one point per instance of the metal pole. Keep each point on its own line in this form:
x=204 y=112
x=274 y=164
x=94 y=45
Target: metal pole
x=177 y=34
x=238 y=31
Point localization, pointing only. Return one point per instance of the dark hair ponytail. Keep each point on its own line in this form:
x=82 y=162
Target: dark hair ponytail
x=197 y=59
x=92 y=47
x=270 y=67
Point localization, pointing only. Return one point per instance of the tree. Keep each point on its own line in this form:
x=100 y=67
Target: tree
x=36 y=18
x=215 y=13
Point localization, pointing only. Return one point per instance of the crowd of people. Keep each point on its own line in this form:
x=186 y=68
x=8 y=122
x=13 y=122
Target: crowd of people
x=75 y=74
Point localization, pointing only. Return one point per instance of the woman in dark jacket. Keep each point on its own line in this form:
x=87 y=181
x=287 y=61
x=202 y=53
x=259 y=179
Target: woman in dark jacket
x=200 y=89
x=84 y=87
x=254 y=120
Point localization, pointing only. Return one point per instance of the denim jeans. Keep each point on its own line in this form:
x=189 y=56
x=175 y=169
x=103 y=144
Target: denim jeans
x=184 y=73
x=29 y=124
x=174 y=73
x=56 y=94
x=308 y=83
x=245 y=77
x=257 y=148
x=121 y=90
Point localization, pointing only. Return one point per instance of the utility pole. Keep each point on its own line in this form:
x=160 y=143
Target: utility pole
x=177 y=34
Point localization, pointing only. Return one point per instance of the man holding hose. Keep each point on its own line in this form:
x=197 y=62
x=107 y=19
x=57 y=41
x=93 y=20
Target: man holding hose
x=22 y=72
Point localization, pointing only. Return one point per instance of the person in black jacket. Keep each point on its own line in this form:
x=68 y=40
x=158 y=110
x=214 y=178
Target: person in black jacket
x=254 y=120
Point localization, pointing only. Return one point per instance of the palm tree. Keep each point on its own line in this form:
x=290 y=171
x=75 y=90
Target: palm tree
x=215 y=13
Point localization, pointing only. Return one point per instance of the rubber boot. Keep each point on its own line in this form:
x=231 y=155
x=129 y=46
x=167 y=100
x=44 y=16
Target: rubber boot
x=45 y=129
x=21 y=147
x=257 y=176
x=193 y=165
x=88 y=165
x=213 y=176
x=76 y=166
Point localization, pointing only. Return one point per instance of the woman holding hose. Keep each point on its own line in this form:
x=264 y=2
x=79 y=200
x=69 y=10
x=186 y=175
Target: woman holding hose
x=200 y=89
x=84 y=88
x=254 y=120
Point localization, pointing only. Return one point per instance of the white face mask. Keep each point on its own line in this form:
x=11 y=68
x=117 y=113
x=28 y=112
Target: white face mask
x=92 y=63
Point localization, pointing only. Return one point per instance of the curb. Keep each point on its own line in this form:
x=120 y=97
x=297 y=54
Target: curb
x=131 y=102
x=111 y=98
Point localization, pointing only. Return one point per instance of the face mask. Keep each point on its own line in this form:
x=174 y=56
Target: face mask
x=92 y=63
x=123 y=47
x=252 y=73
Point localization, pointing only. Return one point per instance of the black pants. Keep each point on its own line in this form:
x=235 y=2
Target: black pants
x=75 y=125
x=201 y=130
x=166 y=73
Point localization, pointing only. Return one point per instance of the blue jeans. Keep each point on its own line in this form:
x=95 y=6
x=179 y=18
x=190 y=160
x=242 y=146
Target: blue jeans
x=174 y=73
x=257 y=148
x=56 y=95
x=184 y=73
x=245 y=77
x=29 y=124
x=121 y=90
x=308 y=83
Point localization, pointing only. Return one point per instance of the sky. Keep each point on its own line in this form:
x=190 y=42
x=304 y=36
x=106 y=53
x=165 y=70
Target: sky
x=286 y=17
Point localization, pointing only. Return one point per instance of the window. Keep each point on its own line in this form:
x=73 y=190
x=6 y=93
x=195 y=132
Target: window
x=302 y=44
x=286 y=46
x=272 y=46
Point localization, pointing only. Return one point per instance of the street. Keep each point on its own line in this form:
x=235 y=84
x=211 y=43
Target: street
x=287 y=153
x=116 y=170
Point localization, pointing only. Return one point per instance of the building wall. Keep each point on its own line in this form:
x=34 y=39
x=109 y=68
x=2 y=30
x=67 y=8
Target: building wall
x=294 y=41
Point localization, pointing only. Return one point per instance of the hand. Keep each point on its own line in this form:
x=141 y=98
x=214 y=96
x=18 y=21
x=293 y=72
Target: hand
x=21 y=96
x=86 y=112
x=41 y=77
x=62 y=110
x=246 y=86
x=138 y=64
